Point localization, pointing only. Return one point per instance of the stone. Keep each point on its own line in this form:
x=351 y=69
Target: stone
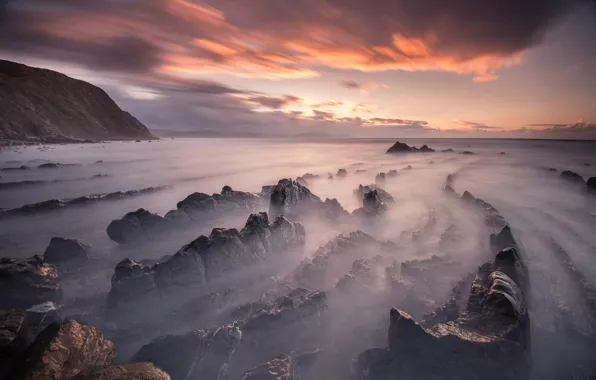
x=503 y=239
x=302 y=181
x=341 y=173
x=131 y=281
x=135 y=226
x=425 y=149
x=291 y=199
x=572 y=177
x=28 y=282
x=372 y=205
x=14 y=337
x=449 y=150
x=399 y=147
x=62 y=351
x=591 y=183
x=383 y=195
x=132 y=371
x=283 y=367
x=63 y=251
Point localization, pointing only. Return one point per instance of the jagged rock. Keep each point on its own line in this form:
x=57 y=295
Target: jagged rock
x=341 y=173
x=385 y=196
x=489 y=340
x=591 y=183
x=14 y=337
x=372 y=205
x=380 y=178
x=63 y=251
x=199 y=354
x=330 y=177
x=332 y=260
x=362 y=276
x=503 y=239
x=392 y=173
x=42 y=315
x=492 y=216
x=61 y=351
x=290 y=198
x=133 y=371
x=266 y=192
x=134 y=226
x=399 y=147
x=572 y=177
x=22 y=167
x=309 y=176
x=131 y=281
x=425 y=149
x=28 y=282
x=302 y=181
x=231 y=200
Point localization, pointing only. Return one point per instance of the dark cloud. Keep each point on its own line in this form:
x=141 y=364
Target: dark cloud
x=385 y=121
x=274 y=102
x=475 y=125
x=545 y=125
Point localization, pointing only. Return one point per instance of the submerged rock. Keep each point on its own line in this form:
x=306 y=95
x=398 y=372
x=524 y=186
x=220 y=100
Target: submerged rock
x=341 y=173
x=425 y=149
x=591 y=183
x=28 y=282
x=134 y=226
x=63 y=251
x=489 y=340
x=289 y=198
x=399 y=147
x=49 y=165
x=449 y=150
x=133 y=371
x=572 y=177
x=61 y=351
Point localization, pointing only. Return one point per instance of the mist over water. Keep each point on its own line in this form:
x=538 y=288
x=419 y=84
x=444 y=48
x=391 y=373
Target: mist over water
x=546 y=214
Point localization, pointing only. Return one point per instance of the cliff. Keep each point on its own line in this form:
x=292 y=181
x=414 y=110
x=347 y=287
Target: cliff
x=47 y=106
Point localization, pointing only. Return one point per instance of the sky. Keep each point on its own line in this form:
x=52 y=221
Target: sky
x=317 y=68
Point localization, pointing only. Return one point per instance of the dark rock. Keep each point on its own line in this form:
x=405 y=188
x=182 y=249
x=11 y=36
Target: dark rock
x=330 y=177
x=61 y=351
x=490 y=339
x=199 y=354
x=385 y=196
x=467 y=152
x=425 y=149
x=360 y=171
x=587 y=164
x=28 y=282
x=380 y=178
x=14 y=337
x=49 y=165
x=133 y=371
x=134 y=226
x=63 y=251
x=283 y=367
x=22 y=167
x=372 y=205
x=341 y=173
x=552 y=169
x=591 y=183
x=291 y=199
x=399 y=147
x=502 y=153
x=448 y=187
x=503 y=239
x=197 y=202
x=42 y=315
x=409 y=167
x=131 y=281
x=492 y=216
x=572 y=177
x=392 y=173
x=302 y=181
x=448 y=150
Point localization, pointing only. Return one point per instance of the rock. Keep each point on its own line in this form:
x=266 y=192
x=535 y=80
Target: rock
x=291 y=199
x=42 y=315
x=448 y=150
x=302 y=181
x=385 y=196
x=572 y=177
x=502 y=153
x=409 y=167
x=503 y=239
x=199 y=354
x=309 y=176
x=399 y=147
x=380 y=178
x=135 y=226
x=490 y=339
x=232 y=200
x=131 y=281
x=62 y=351
x=587 y=164
x=197 y=202
x=591 y=183
x=63 y=251
x=360 y=171
x=22 y=167
x=372 y=205
x=133 y=371
x=392 y=173
x=49 y=165
x=552 y=169
x=341 y=173
x=283 y=367
x=14 y=337
x=330 y=177
x=492 y=216
x=425 y=149
x=28 y=282
x=467 y=152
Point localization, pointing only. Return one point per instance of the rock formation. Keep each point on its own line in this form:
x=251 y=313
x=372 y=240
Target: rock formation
x=383 y=195
x=571 y=177
x=63 y=252
x=46 y=106
x=133 y=371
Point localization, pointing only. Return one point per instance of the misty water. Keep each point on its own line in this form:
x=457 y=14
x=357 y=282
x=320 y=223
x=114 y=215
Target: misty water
x=545 y=213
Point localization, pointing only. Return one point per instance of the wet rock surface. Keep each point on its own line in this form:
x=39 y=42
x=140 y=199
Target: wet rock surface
x=61 y=351
x=133 y=371
x=28 y=282
x=63 y=251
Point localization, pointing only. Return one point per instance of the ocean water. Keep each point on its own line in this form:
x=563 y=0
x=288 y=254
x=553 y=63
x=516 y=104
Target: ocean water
x=545 y=213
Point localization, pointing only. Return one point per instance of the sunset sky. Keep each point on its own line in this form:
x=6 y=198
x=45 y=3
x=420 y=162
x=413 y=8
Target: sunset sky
x=374 y=68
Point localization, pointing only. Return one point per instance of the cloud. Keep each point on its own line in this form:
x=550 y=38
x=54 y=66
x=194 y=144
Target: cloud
x=475 y=125
x=365 y=86
x=270 y=39
x=329 y=103
x=546 y=125
x=273 y=102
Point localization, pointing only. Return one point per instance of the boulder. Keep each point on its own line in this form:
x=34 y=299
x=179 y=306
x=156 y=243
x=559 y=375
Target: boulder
x=14 y=337
x=572 y=177
x=399 y=147
x=197 y=202
x=385 y=196
x=467 y=152
x=28 y=282
x=503 y=239
x=372 y=205
x=489 y=340
x=133 y=371
x=135 y=226
x=591 y=184
x=199 y=354
x=63 y=251
x=289 y=198
x=425 y=149
x=49 y=165
x=449 y=150
x=62 y=351
x=341 y=173
x=492 y=216
x=131 y=281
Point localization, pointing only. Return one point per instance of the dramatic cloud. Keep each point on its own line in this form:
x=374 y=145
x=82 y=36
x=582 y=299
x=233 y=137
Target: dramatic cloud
x=273 y=39
x=273 y=102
